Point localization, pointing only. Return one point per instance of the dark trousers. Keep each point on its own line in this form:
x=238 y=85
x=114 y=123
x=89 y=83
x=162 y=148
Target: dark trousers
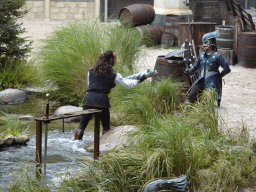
x=104 y=118
x=195 y=91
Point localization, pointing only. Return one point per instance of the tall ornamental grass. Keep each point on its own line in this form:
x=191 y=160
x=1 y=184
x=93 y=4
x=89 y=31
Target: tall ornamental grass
x=169 y=145
x=191 y=145
x=70 y=51
x=142 y=104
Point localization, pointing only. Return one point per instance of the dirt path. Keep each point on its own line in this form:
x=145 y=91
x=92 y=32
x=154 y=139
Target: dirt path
x=238 y=106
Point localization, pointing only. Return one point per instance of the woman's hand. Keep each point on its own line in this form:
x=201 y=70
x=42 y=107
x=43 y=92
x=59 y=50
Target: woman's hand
x=141 y=79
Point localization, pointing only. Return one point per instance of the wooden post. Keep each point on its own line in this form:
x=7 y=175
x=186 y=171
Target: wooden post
x=38 y=148
x=96 y=136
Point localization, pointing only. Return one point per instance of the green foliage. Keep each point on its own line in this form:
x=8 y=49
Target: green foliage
x=17 y=73
x=172 y=147
x=13 y=48
x=10 y=126
x=145 y=102
x=71 y=51
x=25 y=181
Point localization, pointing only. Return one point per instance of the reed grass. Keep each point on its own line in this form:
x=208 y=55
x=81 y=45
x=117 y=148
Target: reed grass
x=69 y=53
x=11 y=126
x=191 y=145
x=17 y=73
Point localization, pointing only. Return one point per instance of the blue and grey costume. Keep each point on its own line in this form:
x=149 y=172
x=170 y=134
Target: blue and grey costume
x=209 y=71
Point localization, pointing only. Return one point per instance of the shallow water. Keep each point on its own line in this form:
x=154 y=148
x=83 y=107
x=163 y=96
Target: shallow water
x=64 y=155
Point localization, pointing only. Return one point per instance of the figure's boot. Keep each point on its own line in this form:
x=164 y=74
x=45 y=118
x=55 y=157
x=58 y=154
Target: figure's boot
x=219 y=100
x=105 y=130
x=78 y=134
x=186 y=105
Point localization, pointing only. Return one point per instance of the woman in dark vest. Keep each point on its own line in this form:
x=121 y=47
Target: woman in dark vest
x=101 y=79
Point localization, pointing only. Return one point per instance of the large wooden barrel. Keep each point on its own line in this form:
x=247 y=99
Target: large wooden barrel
x=173 y=68
x=226 y=39
x=208 y=11
x=247 y=49
x=171 y=26
x=151 y=32
x=137 y=14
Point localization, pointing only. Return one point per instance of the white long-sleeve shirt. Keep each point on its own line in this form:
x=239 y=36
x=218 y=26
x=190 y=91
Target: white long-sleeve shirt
x=127 y=83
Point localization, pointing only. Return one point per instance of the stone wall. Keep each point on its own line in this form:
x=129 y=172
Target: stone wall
x=60 y=10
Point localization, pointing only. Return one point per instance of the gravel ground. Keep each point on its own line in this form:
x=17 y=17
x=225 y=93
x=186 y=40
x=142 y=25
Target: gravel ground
x=238 y=106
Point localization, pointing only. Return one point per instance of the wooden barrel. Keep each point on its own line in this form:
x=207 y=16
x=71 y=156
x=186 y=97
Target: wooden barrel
x=247 y=49
x=208 y=11
x=151 y=32
x=173 y=68
x=137 y=14
x=226 y=39
x=171 y=26
x=167 y=40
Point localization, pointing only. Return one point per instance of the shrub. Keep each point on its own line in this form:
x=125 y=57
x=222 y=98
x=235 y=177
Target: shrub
x=70 y=51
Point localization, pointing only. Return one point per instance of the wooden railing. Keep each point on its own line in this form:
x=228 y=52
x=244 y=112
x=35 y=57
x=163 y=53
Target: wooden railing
x=44 y=120
x=239 y=11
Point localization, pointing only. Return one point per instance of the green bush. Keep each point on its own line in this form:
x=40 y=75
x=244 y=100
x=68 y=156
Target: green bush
x=70 y=51
x=11 y=126
x=144 y=102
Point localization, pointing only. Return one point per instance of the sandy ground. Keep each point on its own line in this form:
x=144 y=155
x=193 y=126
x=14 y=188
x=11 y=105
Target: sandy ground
x=238 y=106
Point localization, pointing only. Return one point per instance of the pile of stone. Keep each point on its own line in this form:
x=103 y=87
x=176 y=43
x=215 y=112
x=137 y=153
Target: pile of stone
x=11 y=140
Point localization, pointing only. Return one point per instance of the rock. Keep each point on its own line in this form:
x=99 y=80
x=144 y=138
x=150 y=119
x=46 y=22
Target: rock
x=22 y=139
x=67 y=110
x=1 y=141
x=9 y=140
x=12 y=96
x=114 y=138
x=26 y=118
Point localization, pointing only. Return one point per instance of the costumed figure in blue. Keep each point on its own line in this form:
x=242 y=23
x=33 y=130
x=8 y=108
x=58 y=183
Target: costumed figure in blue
x=208 y=63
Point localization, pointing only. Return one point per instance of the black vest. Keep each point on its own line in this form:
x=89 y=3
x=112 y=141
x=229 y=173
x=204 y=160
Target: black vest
x=99 y=88
x=102 y=84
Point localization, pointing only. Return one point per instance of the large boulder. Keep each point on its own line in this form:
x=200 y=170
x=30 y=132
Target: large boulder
x=26 y=118
x=68 y=109
x=115 y=139
x=12 y=96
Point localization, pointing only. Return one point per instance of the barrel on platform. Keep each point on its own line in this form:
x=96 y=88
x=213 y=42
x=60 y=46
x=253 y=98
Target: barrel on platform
x=226 y=38
x=137 y=14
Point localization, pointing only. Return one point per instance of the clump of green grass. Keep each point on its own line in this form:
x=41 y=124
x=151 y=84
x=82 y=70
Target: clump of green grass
x=69 y=53
x=173 y=146
x=145 y=102
x=11 y=126
x=17 y=73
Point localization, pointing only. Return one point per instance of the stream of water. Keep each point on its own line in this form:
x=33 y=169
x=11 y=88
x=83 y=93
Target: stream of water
x=64 y=155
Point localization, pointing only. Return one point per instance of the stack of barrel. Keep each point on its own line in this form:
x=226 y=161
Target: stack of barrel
x=237 y=45
x=171 y=31
x=225 y=42
x=140 y=16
